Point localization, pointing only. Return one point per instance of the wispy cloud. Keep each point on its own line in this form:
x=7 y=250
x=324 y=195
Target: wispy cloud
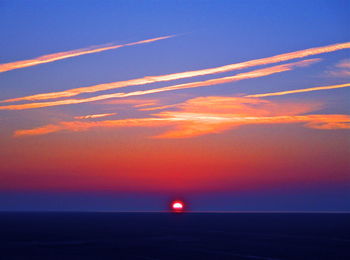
x=94 y=116
x=341 y=70
x=280 y=93
x=186 y=74
x=207 y=115
x=85 y=125
x=157 y=108
x=69 y=54
x=247 y=75
x=128 y=101
x=146 y=104
x=344 y=64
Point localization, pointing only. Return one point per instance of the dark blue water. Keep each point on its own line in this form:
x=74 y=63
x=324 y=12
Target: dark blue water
x=174 y=236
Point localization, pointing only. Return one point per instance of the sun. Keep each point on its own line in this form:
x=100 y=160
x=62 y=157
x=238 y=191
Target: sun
x=177 y=206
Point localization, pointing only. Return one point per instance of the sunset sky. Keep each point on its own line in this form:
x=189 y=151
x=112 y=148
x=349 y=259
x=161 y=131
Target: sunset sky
x=126 y=105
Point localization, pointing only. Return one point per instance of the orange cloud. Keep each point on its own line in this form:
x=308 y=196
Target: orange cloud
x=207 y=115
x=202 y=124
x=94 y=116
x=242 y=76
x=69 y=54
x=186 y=74
x=280 y=93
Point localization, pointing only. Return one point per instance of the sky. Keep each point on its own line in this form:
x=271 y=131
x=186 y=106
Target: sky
x=127 y=105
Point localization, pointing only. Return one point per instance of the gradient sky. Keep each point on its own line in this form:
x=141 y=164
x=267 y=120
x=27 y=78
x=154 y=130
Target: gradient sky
x=94 y=114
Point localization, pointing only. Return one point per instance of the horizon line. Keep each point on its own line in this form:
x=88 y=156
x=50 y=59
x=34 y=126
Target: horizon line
x=181 y=212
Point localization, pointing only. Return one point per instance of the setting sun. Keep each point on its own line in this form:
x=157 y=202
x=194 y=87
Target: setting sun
x=177 y=206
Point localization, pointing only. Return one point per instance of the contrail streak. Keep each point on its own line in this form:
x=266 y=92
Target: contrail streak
x=242 y=76
x=69 y=54
x=186 y=74
x=300 y=90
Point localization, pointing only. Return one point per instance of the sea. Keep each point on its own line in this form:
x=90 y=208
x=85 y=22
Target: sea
x=167 y=235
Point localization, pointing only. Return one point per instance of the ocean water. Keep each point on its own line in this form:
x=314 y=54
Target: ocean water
x=108 y=235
